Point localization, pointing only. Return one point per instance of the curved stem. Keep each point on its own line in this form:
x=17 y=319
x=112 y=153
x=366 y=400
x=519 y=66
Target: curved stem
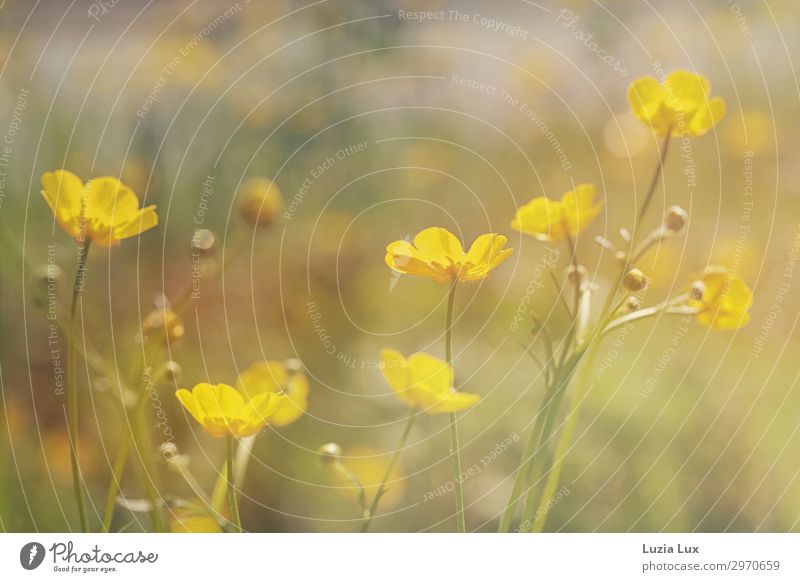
x=373 y=508
x=135 y=434
x=455 y=447
x=73 y=399
x=113 y=484
x=654 y=182
x=233 y=505
x=539 y=517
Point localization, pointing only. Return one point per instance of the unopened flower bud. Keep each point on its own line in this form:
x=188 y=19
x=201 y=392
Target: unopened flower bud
x=164 y=321
x=676 y=219
x=330 y=454
x=262 y=201
x=633 y=304
x=634 y=280
x=576 y=275
x=173 y=371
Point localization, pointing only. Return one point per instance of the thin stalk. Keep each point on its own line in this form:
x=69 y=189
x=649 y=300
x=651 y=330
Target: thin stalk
x=593 y=343
x=373 y=508
x=654 y=182
x=135 y=434
x=525 y=467
x=113 y=484
x=538 y=461
x=73 y=400
x=455 y=448
x=233 y=505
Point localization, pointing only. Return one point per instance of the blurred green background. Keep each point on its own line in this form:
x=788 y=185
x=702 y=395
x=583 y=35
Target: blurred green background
x=685 y=428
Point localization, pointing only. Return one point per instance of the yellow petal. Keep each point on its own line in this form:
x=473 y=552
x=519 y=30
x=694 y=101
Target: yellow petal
x=686 y=90
x=272 y=376
x=219 y=401
x=258 y=412
x=261 y=377
x=63 y=190
x=143 y=220
x=190 y=403
x=707 y=116
x=296 y=404
x=645 y=96
x=431 y=373
x=454 y=402
x=487 y=252
x=402 y=257
x=397 y=373
x=579 y=208
x=110 y=201
x=541 y=218
x=439 y=245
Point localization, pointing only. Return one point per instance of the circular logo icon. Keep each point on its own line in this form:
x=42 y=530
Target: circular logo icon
x=31 y=555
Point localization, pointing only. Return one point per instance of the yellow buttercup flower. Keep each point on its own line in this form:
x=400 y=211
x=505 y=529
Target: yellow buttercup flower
x=424 y=382
x=436 y=253
x=551 y=220
x=262 y=201
x=104 y=210
x=222 y=410
x=680 y=105
x=722 y=299
x=273 y=377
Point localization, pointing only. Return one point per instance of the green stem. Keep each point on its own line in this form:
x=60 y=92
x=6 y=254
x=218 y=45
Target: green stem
x=654 y=182
x=563 y=443
x=537 y=462
x=455 y=448
x=136 y=434
x=388 y=473
x=73 y=400
x=113 y=484
x=592 y=343
x=233 y=505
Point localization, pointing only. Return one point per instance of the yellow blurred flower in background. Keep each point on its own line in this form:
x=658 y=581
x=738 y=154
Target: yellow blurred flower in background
x=262 y=201
x=103 y=210
x=222 y=410
x=722 y=299
x=369 y=466
x=274 y=377
x=680 y=105
x=424 y=382
x=550 y=220
x=164 y=321
x=189 y=520
x=437 y=253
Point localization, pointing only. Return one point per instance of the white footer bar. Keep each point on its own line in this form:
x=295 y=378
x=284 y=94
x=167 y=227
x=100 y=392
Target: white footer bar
x=402 y=557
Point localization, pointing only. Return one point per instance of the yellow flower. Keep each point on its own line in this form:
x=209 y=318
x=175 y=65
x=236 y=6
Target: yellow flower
x=187 y=520
x=549 y=220
x=723 y=299
x=103 y=210
x=273 y=377
x=438 y=254
x=222 y=410
x=261 y=201
x=369 y=466
x=424 y=382
x=680 y=105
